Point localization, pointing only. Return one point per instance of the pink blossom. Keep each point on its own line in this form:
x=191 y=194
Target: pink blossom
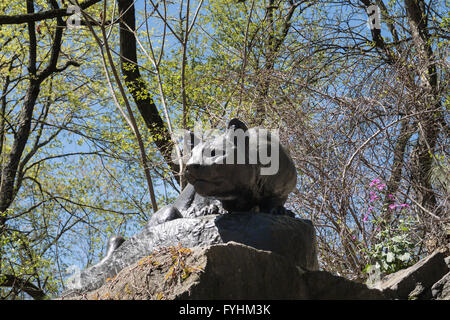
x=381 y=186
x=365 y=218
x=390 y=196
x=374 y=182
x=373 y=197
x=353 y=237
x=393 y=206
x=370 y=209
x=404 y=205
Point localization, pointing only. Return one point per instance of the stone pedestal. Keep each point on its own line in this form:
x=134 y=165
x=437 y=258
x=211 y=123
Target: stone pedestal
x=292 y=238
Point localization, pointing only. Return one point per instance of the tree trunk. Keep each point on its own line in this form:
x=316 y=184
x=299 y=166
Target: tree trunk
x=137 y=87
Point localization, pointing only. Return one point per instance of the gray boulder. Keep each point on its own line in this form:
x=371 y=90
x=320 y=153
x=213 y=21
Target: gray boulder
x=292 y=238
x=416 y=281
x=226 y=271
x=441 y=289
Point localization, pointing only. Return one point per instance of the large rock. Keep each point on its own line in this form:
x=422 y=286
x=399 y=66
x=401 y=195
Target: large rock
x=225 y=271
x=292 y=238
x=441 y=289
x=416 y=281
x=322 y=285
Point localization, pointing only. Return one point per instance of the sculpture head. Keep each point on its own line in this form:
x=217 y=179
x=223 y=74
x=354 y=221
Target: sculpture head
x=219 y=166
x=236 y=168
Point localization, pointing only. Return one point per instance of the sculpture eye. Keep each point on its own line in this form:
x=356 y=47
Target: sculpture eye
x=213 y=153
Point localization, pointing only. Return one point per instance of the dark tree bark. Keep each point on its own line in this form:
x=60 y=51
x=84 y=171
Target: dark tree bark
x=19 y=284
x=43 y=15
x=137 y=87
x=9 y=172
x=275 y=38
x=429 y=122
x=10 y=184
x=428 y=127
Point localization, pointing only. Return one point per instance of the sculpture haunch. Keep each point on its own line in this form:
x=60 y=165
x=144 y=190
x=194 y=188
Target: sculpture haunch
x=222 y=202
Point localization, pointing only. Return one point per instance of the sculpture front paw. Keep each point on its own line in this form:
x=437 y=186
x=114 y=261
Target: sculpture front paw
x=280 y=210
x=165 y=214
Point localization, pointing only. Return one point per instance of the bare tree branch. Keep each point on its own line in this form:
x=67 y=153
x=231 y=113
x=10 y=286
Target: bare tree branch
x=9 y=280
x=43 y=15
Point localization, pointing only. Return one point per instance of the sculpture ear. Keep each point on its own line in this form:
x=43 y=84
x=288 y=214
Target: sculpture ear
x=192 y=140
x=237 y=124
